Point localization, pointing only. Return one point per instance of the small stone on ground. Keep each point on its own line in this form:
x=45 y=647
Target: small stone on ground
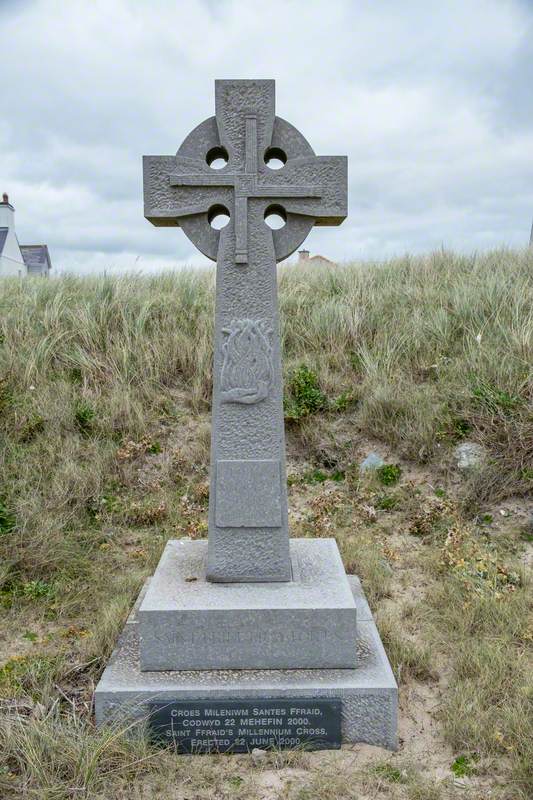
x=469 y=455
x=258 y=755
x=372 y=461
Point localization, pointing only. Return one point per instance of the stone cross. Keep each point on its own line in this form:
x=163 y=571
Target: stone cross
x=248 y=525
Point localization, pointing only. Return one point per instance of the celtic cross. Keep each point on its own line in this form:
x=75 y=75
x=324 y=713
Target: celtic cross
x=248 y=524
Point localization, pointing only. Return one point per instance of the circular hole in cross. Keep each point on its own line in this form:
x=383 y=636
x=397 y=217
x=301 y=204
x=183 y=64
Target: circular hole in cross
x=275 y=157
x=275 y=217
x=218 y=217
x=217 y=157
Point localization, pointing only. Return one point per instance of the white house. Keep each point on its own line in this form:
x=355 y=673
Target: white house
x=19 y=260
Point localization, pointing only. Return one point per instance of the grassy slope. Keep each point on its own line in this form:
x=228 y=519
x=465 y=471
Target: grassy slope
x=104 y=399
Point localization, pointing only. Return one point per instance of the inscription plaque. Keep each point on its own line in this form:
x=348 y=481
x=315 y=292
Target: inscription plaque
x=248 y=493
x=220 y=726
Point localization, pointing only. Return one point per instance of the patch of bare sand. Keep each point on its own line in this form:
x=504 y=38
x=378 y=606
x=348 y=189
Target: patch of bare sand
x=419 y=735
x=274 y=784
x=22 y=642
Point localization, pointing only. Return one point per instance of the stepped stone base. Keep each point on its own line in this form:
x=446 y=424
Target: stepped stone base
x=368 y=690
x=186 y=622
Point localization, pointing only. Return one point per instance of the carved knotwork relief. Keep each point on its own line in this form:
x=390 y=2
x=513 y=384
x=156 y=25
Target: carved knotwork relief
x=247 y=370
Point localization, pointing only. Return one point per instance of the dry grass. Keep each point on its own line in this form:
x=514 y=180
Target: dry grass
x=104 y=444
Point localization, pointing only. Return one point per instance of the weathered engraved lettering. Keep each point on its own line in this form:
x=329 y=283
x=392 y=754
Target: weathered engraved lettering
x=247 y=370
x=233 y=636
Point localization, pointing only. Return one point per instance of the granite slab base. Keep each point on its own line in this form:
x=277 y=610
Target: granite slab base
x=187 y=622
x=368 y=690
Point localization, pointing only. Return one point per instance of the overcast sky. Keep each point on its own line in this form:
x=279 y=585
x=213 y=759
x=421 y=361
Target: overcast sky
x=432 y=103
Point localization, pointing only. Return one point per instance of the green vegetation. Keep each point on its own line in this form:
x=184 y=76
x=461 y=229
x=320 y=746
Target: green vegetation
x=7 y=519
x=390 y=773
x=84 y=415
x=389 y=474
x=386 y=502
x=104 y=441
x=304 y=395
x=463 y=765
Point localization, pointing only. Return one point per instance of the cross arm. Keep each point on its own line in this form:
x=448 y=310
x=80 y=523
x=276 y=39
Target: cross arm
x=169 y=196
x=314 y=186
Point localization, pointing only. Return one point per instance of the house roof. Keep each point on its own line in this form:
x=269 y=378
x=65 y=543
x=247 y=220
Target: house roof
x=320 y=258
x=3 y=237
x=305 y=258
x=36 y=256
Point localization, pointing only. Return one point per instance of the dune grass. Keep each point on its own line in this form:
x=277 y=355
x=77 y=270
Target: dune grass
x=104 y=442
x=423 y=352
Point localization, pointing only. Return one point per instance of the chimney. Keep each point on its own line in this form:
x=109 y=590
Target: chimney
x=7 y=213
x=304 y=255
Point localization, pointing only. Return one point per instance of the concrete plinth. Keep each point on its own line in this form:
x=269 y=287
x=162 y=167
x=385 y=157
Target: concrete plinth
x=187 y=622
x=368 y=690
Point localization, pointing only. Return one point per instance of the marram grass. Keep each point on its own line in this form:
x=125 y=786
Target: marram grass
x=105 y=388
x=426 y=351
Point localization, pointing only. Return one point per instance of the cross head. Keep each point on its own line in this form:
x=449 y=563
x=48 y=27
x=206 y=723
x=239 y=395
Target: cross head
x=183 y=190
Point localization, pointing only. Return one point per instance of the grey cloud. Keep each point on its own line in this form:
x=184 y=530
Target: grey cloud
x=430 y=102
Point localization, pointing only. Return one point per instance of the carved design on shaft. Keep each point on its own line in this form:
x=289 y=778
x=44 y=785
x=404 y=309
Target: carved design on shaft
x=247 y=370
